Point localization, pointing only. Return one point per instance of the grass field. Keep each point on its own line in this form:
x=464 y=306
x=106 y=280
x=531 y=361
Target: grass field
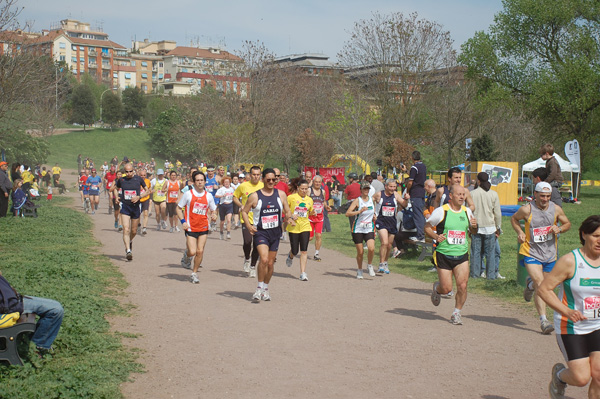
x=99 y=144
x=340 y=239
x=89 y=360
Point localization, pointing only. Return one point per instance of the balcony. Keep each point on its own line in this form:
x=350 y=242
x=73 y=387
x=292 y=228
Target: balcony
x=92 y=65
x=105 y=66
x=154 y=80
x=105 y=55
x=92 y=53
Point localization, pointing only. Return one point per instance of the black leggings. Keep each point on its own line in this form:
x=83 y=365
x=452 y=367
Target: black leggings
x=299 y=240
x=247 y=246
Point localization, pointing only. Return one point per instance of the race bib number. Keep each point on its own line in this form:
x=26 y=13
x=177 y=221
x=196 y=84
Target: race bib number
x=94 y=187
x=199 y=208
x=160 y=193
x=129 y=194
x=542 y=234
x=228 y=197
x=301 y=212
x=173 y=194
x=269 y=222
x=591 y=307
x=388 y=210
x=456 y=237
x=209 y=188
x=318 y=207
x=365 y=225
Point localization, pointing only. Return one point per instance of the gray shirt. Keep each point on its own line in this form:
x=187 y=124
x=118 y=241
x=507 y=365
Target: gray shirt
x=5 y=183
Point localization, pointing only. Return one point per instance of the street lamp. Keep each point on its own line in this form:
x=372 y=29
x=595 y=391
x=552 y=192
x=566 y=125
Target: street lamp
x=101 y=95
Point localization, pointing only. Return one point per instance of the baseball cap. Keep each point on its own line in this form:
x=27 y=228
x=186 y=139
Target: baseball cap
x=365 y=184
x=3 y=163
x=93 y=170
x=160 y=172
x=543 y=187
x=241 y=175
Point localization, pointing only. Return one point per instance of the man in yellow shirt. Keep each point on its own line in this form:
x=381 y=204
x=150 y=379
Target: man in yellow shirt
x=240 y=197
x=301 y=207
x=56 y=171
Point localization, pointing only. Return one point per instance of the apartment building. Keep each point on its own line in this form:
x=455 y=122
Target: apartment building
x=310 y=64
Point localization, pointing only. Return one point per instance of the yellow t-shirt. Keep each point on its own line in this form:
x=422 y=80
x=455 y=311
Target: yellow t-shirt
x=243 y=192
x=27 y=176
x=56 y=170
x=160 y=193
x=300 y=207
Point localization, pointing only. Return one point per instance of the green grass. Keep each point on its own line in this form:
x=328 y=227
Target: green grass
x=99 y=144
x=340 y=239
x=89 y=360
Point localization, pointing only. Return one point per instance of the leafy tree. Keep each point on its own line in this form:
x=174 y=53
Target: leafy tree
x=83 y=106
x=397 y=152
x=112 y=109
x=134 y=104
x=482 y=149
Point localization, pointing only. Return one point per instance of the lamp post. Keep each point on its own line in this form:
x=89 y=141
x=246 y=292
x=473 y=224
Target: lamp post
x=102 y=95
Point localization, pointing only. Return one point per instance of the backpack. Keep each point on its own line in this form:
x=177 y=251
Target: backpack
x=10 y=300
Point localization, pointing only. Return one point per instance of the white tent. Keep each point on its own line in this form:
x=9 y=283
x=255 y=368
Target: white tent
x=565 y=167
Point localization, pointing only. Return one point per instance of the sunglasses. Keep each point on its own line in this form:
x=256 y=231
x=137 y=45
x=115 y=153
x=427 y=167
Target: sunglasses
x=270 y=180
x=277 y=175
x=129 y=171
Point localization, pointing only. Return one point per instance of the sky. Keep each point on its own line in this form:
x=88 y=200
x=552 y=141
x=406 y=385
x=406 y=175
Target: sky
x=284 y=26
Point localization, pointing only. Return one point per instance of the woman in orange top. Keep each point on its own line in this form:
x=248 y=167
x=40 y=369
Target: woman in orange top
x=172 y=196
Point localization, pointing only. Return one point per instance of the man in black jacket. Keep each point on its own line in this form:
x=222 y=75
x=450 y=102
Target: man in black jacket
x=5 y=187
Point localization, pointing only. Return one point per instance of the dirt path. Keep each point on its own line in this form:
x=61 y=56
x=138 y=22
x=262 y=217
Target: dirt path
x=331 y=337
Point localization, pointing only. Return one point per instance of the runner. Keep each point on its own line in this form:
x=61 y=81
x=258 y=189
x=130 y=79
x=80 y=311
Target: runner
x=577 y=312
x=225 y=194
x=159 y=187
x=266 y=205
x=116 y=204
x=240 y=197
x=94 y=182
x=319 y=199
x=145 y=202
x=199 y=207
x=282 y=186
x=212 y=186
x=172 y=195
x=387 y=202
x=363 y=228
x=235 y=183
x=538 y=243
x=301 y=206
x=84 y=190
x=109 y=178
x=133 y=188
x=450 y=225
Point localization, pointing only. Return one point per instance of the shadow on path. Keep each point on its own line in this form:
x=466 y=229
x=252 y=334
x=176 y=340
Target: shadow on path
x=173 y=276
x=501 y=321
x=419 y=314
x=420 y=291
x=246 y=296
x=229 y=272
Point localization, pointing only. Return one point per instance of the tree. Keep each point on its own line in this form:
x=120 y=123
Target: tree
x=482 y=149
x=83 y=106
x=546 y=53
x=134 y=104
x=392 y=56
x=397 y=152
x=112 y=109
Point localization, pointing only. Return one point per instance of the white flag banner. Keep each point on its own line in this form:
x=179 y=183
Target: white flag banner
x=572 y=152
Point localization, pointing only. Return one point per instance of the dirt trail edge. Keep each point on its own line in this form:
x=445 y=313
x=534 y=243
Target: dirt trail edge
x=331 y=337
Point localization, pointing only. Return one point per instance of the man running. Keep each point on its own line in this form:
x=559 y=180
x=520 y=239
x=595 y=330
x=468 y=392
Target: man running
x=538 y=243
x=240 y=197
x=266 y=205
x=132 y=190
x=159 y=187
x=109 y=178
x=388 y=201
x=450 y=225
x=319 y=199
x=199 y=207
x=145 y=202
x=94 y=182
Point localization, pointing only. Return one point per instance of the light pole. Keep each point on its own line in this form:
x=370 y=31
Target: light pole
x=102 y=95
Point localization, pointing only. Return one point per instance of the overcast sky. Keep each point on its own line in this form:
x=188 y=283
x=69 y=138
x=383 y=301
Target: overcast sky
x=286 y=27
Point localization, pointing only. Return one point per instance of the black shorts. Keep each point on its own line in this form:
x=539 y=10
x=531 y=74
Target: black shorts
x=359 y=238
x=195 y=234
x=236 y=209
x=269 y=237
x=171 y=209
x=224 y=210
x=115 y=203
x=299 y=241
x=387 y=223
x=578 y=346
x=131 y=210
x=145 y=205
x=448 y=262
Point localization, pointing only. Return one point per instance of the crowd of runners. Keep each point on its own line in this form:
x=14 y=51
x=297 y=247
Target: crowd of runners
x=270 y=208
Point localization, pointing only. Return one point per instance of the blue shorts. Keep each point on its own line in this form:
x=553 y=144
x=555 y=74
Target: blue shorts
x=387 y=224
x=269 y=238
x=131 y=210
x=95 y=192
x=546 y=266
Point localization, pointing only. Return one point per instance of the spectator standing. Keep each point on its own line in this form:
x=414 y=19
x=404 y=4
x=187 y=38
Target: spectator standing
x=540 y=175
x=376 y=183
x=5 y=188
x=489 y=218
x=15 y=171
x=552 y=167
x=79 y=163
x=416 y=190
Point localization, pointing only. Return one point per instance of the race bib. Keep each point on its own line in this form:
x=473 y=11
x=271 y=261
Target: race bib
x=591 y=307
x=129 y=194
x=542 y=234
x=269 y=222
x=209 y=188
x=160 y=193
x=228 y=197
x=456 y=237
x=199 y=208
x=95 y=187
x=388 y=210
x=301 y=212
x=365 y=225
x=173 y=194
x=318 y=207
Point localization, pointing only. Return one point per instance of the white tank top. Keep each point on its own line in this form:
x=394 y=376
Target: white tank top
x=363 y=223
x=581 y=292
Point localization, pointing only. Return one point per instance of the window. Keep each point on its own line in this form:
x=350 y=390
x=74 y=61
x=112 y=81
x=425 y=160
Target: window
x=82 y=59
x=81 y=48
x=62 y=45
x=127 y=76
x=160 y=75
x=74 y=71
x=144 y=64
x=74 y=47
x=184 y=70
x=115 y=75
x=73 y=59
x=144 y=76
x=160 y=64
x=132 y=63
x=62 y=57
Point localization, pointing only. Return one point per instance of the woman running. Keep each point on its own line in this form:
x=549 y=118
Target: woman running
x=363 y=228
x=225 y=193
x=301 y=206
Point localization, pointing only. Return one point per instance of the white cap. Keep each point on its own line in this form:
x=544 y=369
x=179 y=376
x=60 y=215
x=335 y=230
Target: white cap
x=241 y=175
x=543 y=187
x=160 y=172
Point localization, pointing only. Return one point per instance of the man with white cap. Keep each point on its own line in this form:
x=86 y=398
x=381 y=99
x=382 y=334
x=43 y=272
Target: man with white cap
x=538 y=243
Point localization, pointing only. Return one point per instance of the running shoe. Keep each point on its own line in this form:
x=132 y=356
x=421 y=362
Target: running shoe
x=257 y=295
x=252 y=272
x=129 y=255
x=456 y=319
x=171 y=230
x=158 y=227
x=164 y=225
x=317 y=258
x=432 y=270
x=194 y=278
x=116 y=225
x=120 y=227
x=381 y=269
x=93 y=212
x=371 y=270
x=435 y=296
x=557 y=387
x=228 y=235
x=265 y=295
x=110 y=210
x=247 y=266
x=222 y=236
x=186 y=262
x=546 y=327
x=359 y=274
x=289 y=261
x=449 y=295
x=386 y=269
x=144 y=231
x=303 y=277
x=177 y=229
x=528 y=292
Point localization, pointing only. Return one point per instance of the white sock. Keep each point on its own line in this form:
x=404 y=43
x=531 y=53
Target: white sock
x=317 y=252
x=265 y=286
x=542 y=318
x=260 y=285
x=530 y=285
x=456 y=311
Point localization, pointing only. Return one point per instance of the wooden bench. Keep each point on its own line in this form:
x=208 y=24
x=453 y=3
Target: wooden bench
x=426 y=248
x=10 y=335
